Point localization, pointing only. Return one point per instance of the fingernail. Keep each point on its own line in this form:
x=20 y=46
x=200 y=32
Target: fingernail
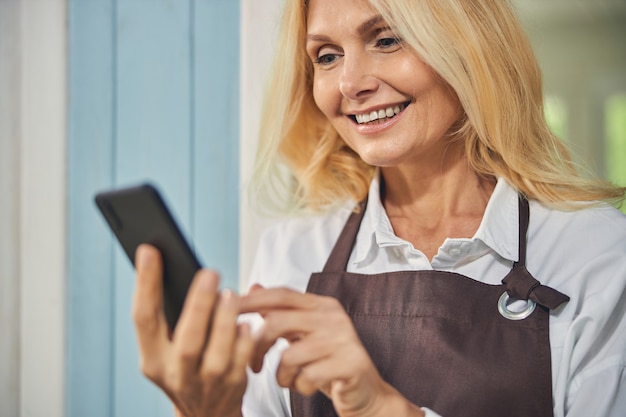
x=208 y=281
x=227 y=295
x=144 y=256
x=228 y=298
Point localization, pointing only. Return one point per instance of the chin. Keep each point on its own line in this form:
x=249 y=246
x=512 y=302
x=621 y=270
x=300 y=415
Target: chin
x=380 y=161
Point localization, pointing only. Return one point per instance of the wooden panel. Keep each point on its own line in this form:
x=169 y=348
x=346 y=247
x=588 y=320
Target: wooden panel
x=216 y=136
x=154 y=97
x=91 y=150
x=153 y=141
x=9 y=208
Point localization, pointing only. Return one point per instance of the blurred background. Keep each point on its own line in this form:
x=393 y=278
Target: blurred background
x=581 y=46
x=102 y=93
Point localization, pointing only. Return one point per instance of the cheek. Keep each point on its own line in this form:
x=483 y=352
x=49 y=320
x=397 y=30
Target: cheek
x=322 y=95
x=448 y=105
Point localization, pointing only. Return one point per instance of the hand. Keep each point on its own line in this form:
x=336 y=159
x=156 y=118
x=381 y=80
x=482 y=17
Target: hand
x=202 y=366
x=325 y=353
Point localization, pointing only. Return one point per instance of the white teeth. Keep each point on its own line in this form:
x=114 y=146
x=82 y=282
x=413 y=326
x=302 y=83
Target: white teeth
x=380 y=114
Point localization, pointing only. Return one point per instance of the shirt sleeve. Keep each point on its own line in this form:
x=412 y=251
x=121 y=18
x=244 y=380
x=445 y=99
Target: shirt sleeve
x=601 y=394
x=597 y=383
x=591 y=378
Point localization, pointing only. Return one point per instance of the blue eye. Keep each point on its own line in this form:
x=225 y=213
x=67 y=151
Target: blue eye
x=387 y=42
x=326 y=59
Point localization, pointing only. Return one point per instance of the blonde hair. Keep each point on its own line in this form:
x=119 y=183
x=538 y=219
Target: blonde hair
x=479 y=49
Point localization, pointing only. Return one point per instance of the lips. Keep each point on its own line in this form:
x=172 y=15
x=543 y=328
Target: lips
x=378 y=116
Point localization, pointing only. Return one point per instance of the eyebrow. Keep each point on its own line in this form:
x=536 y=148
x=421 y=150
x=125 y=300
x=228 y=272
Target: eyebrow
x=362 y=29
x=369 y=24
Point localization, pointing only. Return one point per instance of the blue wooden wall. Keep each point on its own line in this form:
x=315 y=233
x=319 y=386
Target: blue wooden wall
x=153 y=96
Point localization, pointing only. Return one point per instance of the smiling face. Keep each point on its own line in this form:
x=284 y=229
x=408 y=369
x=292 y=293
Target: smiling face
x=387 y=105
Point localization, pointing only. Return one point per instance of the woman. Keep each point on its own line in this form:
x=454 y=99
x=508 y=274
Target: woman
x=479 y=275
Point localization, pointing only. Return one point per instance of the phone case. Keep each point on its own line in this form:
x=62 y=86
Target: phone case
x=139 y=215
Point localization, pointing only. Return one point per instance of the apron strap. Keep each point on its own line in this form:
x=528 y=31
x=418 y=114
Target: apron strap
x=524 y=216
x=520 y=284
x=340 y=255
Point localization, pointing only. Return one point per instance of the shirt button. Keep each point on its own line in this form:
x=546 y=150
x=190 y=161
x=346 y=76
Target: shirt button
x=455 y=251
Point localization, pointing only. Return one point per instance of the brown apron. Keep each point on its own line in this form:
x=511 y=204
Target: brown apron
x=439 y=338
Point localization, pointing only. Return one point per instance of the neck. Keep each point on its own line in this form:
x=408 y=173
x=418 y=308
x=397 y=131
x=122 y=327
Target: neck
x=436 y=199
x=446 y=184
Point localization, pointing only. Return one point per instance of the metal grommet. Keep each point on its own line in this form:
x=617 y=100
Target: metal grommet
x=503 y=308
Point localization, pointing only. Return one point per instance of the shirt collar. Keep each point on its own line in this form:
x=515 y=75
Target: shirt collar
x=498 y=228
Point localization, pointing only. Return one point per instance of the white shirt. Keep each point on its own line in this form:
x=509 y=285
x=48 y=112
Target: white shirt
x=580 y=253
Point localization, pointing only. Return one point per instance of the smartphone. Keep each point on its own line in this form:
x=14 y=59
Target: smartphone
x=139 y=215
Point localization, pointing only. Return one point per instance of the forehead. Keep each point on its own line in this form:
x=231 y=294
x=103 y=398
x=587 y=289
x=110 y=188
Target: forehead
x=324 y=15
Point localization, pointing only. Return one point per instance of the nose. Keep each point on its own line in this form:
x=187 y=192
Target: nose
x=358 y=79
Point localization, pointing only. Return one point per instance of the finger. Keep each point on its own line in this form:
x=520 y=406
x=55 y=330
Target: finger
x=261 y=300
x=300 y=355
x=148 y=314
x=256 y=287
x=344 y=371
x=242 y=353
x=322 y=374
x=191 y=332
x=314 y=377
x=291 y=325
x=218 y=355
